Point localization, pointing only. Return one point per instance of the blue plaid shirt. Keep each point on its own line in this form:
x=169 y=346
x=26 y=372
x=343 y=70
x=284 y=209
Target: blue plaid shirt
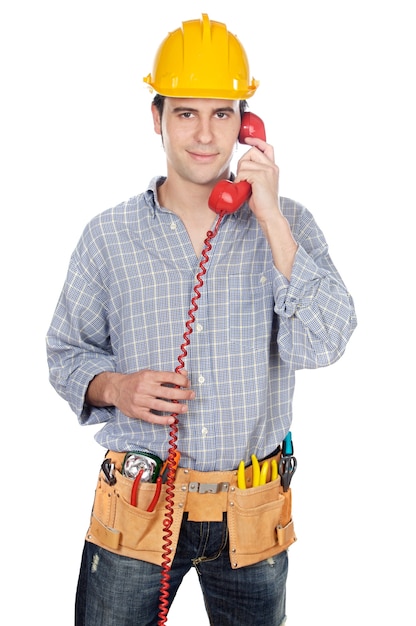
x=125 y=303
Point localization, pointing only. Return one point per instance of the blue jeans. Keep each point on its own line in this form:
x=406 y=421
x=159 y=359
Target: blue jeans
x=115 y=590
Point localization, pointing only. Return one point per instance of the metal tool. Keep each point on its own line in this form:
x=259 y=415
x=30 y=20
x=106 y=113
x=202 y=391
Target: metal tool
x=274 y=470
x=136 y=461
x=287 y=462
x=108 y=469
x=135 y=488
x=256 y=471
x=287 y=467
x=157 y=494
x=261 y=472
x=264 y=472
x=287 y=445
x=241 y=476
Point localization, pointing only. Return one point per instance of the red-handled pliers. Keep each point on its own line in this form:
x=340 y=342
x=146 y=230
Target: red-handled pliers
x=135 y=487
x=133 y=495
x=157 y=494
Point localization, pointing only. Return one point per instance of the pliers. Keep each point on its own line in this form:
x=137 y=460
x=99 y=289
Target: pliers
x=108 y=470
x=287 y=467
x=287 y=462
x=135 y=487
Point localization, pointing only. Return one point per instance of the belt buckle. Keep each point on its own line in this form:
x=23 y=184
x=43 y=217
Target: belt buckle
x=196 y=487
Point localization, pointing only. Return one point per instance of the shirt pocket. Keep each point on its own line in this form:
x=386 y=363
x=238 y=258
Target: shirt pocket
x=250 y=311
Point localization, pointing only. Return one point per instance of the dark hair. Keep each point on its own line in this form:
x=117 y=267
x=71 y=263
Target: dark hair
x=159 y=101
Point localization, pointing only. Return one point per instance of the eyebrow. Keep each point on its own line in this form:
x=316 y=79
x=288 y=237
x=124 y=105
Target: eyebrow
x=181 y=109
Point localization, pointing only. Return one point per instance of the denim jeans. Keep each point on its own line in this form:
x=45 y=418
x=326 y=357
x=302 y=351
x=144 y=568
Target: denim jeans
x=115 y=590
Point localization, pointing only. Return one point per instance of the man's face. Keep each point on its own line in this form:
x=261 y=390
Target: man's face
x=199 y=137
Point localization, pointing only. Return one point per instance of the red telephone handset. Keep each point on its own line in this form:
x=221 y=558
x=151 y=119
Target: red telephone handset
x=227 y=197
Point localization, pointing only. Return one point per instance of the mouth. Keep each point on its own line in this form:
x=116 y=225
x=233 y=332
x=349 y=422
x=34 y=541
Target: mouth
x=203 y=157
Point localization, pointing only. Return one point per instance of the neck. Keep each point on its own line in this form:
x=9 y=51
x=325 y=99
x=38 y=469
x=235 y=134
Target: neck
x=188 y=200
x=190 y=203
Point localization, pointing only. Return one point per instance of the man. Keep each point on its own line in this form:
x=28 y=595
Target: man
x=180 y=330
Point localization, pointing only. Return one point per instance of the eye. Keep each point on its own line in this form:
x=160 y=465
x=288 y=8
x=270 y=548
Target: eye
x=187 y=114
x=221 y=115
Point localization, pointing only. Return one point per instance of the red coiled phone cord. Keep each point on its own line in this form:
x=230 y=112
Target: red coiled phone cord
x=173 y=435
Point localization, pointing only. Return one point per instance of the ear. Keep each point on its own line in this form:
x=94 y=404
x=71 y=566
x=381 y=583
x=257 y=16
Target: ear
x=156 y=120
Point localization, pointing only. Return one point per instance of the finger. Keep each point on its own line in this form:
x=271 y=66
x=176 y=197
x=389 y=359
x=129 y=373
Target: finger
x=185 y=382
x=261 y=147
x=159 y=405
x=172 y=378
x=178 y=391
x=253 y=171
x=155 y=418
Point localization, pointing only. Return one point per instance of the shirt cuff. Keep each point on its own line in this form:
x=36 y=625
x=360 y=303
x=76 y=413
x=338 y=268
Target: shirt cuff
x=302 y=287
x=77 y=390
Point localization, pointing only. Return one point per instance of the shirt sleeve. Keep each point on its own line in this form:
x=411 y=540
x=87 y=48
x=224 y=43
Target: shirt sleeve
x=78 y=342
x=316 y=312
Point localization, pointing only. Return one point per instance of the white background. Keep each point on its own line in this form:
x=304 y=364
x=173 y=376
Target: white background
x=336 y=94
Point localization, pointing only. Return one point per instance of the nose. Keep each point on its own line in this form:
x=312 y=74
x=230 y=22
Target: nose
x=204 y=132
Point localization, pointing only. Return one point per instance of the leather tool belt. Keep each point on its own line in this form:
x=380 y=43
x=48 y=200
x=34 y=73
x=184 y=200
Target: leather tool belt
x=259 y=518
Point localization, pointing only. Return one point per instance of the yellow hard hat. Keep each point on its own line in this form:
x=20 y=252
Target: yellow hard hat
x=202 y=60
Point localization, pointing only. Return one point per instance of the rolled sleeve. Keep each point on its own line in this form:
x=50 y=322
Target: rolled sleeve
x=78 y=343
x=317 y=315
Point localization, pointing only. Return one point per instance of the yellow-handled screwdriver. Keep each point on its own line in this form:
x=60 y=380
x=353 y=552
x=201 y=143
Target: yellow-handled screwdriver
x=256 y=470
x=274 y=471
x=263 y=472
x=241 y=476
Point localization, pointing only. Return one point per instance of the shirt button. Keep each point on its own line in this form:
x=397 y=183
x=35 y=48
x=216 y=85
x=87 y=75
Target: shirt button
x=199 y=328
x=173 y=226
x=201 y=379
x=263 y=279
x=204 y=431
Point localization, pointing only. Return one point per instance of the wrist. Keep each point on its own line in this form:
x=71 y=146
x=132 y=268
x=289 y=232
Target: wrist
x=102 y=390
x=282 y=243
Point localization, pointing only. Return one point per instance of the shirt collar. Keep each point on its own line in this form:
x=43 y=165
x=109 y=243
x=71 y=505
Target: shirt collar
x=151 y=196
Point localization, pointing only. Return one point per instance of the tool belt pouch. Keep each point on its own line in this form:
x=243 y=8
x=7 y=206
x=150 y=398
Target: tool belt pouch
x=259 y=523
x=259 y=518
x=129 y=530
